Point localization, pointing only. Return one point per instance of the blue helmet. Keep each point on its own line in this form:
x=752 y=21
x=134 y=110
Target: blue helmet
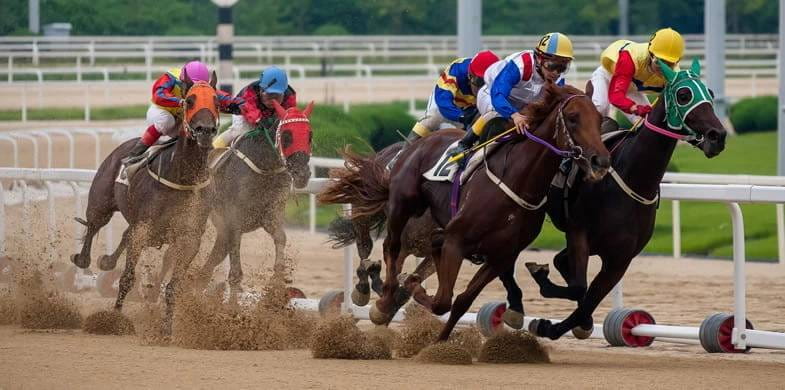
x=273 y=80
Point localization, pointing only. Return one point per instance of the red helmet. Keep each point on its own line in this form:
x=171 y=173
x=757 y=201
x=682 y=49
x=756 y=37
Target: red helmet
x=481 y=62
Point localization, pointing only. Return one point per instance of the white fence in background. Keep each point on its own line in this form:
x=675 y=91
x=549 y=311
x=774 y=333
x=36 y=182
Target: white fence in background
x=728 y=194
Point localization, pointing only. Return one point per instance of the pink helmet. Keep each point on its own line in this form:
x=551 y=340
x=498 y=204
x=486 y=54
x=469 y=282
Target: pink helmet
x=197 y=71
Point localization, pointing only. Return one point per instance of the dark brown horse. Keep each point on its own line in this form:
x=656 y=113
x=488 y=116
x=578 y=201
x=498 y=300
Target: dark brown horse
x=164 y=203
x=606 y=220
x=253 y=184
x=497 y=218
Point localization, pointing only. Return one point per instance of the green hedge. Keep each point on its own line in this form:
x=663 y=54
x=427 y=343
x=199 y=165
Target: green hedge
x=754 y=114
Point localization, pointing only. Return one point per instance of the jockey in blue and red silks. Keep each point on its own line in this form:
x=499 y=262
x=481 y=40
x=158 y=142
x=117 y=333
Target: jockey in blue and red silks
x=168 y=94
x=257 y=109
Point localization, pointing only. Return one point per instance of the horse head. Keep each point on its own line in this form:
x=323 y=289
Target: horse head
x=577 y=123
x=201 y=111
x=689 y=109
x=294 y=137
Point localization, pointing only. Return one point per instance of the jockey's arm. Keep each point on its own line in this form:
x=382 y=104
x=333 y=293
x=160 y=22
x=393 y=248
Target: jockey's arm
x=501 y=88
x=445 y=101
x=162 y=92
x=227 y=103
x=620 y=83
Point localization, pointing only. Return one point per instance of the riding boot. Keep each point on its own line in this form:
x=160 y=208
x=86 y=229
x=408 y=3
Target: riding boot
x=464 y=144
x=608 y=125
x=136 y=154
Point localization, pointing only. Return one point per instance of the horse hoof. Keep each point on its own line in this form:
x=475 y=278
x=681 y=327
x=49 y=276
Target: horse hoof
x=536 y=326
x=106 y=263
x=582 y=334
x=535 y=268
x=513 y=319
x=359 y=298
x=79 y=261
x=378 y=317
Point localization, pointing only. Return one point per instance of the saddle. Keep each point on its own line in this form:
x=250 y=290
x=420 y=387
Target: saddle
x=128 y=171
x=444 y=170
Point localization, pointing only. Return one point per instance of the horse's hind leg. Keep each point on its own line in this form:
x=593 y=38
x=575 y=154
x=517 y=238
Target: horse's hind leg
x=548 y=289
x=216 y=256
x=97 y=217
x=108 y=262
x=235 y=277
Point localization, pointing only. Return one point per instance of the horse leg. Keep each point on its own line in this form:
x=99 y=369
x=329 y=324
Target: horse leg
x=540 y=272
x=235 y=276
x=275 y=228
x=572 y=263
x=181 y=253
x=448 y=264
x=96 y=219
x=108 y=262
x=612 y=271
x=216 y=256
x=382 y=312
x=127 y=278
x=372 y=269
x=464 y=300
x=513 y=316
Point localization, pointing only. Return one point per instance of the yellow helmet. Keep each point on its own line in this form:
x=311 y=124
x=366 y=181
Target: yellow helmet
x=667 y=45
x=555 y=44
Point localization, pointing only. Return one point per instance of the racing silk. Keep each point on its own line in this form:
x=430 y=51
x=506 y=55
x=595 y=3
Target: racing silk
x=628 y=62
x=254 y=111
x=168 y=92
x=453 y=92
x=514 y=82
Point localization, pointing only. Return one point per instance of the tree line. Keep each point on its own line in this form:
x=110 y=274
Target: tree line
x=381 y=17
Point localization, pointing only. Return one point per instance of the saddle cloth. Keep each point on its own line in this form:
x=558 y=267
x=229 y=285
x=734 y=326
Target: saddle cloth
x=444 y=170
x=127 y=172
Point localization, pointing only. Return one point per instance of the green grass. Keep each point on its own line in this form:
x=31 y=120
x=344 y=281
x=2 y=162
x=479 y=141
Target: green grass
x=97 y=113
x=705 y=226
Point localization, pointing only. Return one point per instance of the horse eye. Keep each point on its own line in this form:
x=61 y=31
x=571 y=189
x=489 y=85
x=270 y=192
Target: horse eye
x=683 y=96
x=286 y=138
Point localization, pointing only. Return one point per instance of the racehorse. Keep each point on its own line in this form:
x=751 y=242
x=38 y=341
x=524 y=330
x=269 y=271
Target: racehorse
x=165 y=202
x=416 y=238
x=251 y=190
x=489 y=225
x=614 y=218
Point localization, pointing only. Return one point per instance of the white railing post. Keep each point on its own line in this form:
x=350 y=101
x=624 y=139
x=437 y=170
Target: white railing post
x=781 y=232
x=87 y=102
x=49 y=152
x=24 y=103
x=312 y=206
x=676 y=222
x=35 y=145
x=14 y=148
x=71 y=151
x=348 y=269
x=738 y=338
x=78 y=228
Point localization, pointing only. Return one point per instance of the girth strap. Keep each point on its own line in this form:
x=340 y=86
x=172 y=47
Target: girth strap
x=632 y=194
x=175 y=186
x=253 y=166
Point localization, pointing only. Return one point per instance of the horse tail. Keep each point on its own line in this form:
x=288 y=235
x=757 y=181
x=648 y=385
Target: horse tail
x=363 y=183
x=341 y=232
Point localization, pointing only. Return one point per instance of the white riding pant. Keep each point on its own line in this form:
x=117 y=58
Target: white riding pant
x=238 y=127
x=163 y=120
x=433 y=120
x=601 y=80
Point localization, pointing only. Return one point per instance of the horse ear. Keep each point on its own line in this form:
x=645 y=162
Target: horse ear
x=213 y=79
x=186 y=79
x=308 y=109
x=279 y=110
x=696 y=66
x=669 y=74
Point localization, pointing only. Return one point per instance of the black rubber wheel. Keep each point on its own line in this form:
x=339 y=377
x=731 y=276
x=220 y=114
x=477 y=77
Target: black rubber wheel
x=716 y=333
x=294 y=292
x=618 y=324
x=489 y=318
x=330 y=303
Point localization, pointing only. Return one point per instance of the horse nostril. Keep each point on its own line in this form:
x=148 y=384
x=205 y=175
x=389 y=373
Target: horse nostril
x=601 y=161
x=713 y=135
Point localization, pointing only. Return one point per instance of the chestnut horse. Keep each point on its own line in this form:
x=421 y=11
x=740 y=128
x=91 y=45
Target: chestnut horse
x=165 y=202
x=493 y=225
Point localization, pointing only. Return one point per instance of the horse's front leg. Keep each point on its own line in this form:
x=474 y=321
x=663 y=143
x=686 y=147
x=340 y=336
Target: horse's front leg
x=383 y=311
x=463 y=301
x=274 y=226
x=572 y=262
x=134 y=250
x=514 y=314
x=181 y=252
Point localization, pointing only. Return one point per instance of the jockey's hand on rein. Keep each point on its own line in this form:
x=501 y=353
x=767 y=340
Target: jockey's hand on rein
x=521 y=122
x=640 y=110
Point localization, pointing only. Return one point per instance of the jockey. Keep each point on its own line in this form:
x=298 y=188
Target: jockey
x=515 y=81
x=629 y=70
x=454 y=99
x=167 y=105
x=273 y=84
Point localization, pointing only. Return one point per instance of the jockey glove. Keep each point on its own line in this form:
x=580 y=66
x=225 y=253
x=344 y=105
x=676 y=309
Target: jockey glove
x=641 y=110
x=467 y=117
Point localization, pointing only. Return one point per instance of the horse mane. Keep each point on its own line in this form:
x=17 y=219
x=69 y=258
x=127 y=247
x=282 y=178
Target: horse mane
x=552 y=95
